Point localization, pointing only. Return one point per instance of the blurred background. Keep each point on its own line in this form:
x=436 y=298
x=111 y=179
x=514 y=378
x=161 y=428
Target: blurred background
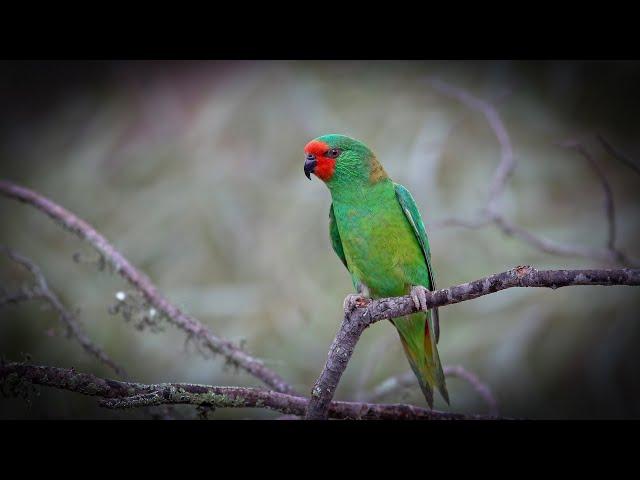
x=193 y=170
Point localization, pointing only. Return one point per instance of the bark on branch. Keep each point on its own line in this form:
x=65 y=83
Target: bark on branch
x=145 y=286
x=356 y=321
x=120 y=395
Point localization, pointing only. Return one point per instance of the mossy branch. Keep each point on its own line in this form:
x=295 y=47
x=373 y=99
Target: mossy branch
x=120 y=395
x=145 y=286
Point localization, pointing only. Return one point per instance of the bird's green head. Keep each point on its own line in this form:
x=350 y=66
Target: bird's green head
x=341 y=160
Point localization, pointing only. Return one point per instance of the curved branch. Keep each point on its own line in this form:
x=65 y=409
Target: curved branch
x=68 y=318
x=615 y=153
x=507 y=162
x=145 y=286
x=356 y=321
x=491 y=213
x=119 y=395
x=556 y=248
x=43 y=292
x=408 y=379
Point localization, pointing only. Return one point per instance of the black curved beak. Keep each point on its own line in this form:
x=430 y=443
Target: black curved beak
x=309 y=165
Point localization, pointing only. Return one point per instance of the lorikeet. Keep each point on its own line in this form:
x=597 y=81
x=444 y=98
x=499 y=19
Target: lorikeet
x=378 y=234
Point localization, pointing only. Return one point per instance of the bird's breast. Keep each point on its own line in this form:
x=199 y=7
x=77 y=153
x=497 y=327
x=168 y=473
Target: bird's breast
x=381 y=248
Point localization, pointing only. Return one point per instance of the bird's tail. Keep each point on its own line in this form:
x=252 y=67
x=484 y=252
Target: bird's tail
x=417 y=333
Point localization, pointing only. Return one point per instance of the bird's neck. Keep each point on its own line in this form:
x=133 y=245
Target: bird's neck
x=363 y=193
x=356 y=182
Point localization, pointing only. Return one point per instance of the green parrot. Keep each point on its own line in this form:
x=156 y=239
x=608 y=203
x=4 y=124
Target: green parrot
x=378 y=234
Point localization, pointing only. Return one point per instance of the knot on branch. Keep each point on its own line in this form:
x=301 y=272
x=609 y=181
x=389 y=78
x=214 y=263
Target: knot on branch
x=522 y=270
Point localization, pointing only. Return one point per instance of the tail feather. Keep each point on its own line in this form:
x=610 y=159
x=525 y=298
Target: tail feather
x=431 y=352
x=417 y=333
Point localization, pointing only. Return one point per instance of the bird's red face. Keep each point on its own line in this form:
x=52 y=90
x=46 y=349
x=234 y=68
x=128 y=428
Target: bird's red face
x=320 y=159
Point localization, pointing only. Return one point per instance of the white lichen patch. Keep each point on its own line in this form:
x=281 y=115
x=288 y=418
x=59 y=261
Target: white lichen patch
x=581 y=277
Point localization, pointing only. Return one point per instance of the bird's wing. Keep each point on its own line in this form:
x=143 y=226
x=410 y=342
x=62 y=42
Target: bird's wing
x=336 y=243
x=413 y=215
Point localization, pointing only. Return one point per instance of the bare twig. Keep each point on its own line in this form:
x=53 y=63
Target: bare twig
x=615 y=153
x=43 y=292
x=120 y=395
x=15 y=297
x=408 y=379
x=491 y=213
x=356 y=321
x=507 y=161
x=606 y=188
x=145 y=286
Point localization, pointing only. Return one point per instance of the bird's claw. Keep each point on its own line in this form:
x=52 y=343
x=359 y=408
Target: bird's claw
x=419 y=297
x=353 y=301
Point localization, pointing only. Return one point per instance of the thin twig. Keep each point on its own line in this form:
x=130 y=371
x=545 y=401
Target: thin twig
x=407 y=379
x=145 y=286
x=491 y=213
x=615 y=153
x=43 y=292
x=606 y=188
x=507 y=161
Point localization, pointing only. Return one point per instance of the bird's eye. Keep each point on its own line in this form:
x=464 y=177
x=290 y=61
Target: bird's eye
x=334 y=153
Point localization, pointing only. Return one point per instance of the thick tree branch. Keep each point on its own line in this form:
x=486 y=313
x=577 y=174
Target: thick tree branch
x=145 y=286
x=356 y=321
x=119 y=395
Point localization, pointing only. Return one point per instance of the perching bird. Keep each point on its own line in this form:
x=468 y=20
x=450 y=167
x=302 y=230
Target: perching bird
x=378 y=234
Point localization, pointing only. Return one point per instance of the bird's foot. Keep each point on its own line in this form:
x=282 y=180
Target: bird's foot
x=419 y=297
x=353 y=301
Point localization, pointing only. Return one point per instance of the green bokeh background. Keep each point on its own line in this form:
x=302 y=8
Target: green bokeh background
x=193 y=170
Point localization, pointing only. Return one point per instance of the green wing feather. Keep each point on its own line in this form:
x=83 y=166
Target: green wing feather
x=433 y=371
x=413 y=215
x=336 y=243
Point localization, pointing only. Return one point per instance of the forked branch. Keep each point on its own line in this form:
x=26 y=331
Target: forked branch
x=356 y=321
x=145 y=286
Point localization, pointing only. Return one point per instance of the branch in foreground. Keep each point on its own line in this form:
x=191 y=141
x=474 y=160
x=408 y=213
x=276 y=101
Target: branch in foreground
x=356 y=321
x=408 y=379
x=145 y=286
x=121 y=395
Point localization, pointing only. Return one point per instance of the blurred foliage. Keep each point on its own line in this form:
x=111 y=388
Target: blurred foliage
x=194 y=171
